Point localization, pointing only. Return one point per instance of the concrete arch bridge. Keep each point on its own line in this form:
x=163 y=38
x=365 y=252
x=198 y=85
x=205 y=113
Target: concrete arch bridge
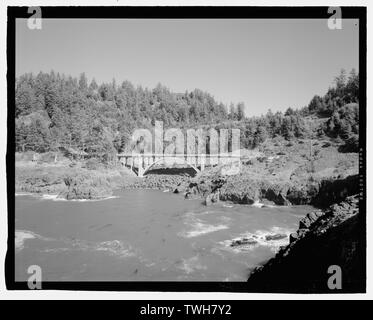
x=146 y=162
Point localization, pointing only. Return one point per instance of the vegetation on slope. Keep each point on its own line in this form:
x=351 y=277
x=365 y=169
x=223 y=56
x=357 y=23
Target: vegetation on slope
x=55 y=112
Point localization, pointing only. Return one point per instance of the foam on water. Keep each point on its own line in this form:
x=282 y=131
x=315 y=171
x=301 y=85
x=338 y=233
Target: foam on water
x=115 y=247
x=55 y=250
x=55 y=197
x=199 y=227
x=20 y=238
x=192 y=264
x=112 y=247
x=259 y=237
x=22 y=235
x=257 y=204
x=17 y=194
x=49 y=197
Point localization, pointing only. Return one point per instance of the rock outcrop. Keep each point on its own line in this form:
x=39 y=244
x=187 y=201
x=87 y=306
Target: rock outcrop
x=39 y=182
x=175 y=183
x=243 y=189
x=212 y=198
x=244 y=242
x=334 y=236
x=202 y=188
x=86 y=187
x=333 y=191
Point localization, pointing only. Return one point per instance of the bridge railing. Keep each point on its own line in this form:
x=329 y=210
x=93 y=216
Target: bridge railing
x=131 y=159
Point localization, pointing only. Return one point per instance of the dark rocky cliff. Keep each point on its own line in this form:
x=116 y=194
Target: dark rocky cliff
x=324 y=238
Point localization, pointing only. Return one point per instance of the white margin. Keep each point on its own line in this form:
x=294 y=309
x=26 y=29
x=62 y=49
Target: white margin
x=78 y=295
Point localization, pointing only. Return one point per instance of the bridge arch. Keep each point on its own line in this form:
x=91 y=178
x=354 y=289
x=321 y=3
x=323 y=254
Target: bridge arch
x=147 y=169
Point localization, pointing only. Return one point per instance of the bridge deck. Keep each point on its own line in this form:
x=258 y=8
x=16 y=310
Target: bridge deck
x=193 y=155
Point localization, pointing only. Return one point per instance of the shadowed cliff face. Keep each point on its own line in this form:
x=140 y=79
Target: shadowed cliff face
x=324 y=238
x=245 y=190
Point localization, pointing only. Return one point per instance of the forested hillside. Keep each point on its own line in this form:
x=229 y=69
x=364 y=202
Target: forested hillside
x=55 y=112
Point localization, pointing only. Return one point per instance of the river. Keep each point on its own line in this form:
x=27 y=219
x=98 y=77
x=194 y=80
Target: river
x=145 y=235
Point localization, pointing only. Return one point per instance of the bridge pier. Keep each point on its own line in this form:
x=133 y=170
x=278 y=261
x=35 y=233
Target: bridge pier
x=202 y=160
x=140 y=167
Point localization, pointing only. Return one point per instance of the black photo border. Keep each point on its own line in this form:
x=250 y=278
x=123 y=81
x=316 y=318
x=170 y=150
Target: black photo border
x=203 y=12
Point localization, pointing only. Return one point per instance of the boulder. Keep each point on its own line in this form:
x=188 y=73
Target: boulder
x=212 y=198
x=309 y=219
x=293 y=237
x=243 y=242
x=275 y=195
x=277 y=236
x=180 y=188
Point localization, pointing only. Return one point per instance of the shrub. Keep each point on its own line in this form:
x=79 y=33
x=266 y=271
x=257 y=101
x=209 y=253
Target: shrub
x=92 y=164
x=351 y=144
x=87 y=186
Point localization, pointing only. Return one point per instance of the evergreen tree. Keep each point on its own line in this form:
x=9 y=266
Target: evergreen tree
x=240 y=111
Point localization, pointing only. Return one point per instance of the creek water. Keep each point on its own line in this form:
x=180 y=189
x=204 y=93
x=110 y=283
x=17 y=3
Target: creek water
x=145 y=235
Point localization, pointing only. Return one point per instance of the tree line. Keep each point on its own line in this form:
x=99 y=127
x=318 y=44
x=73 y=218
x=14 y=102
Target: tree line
x=55 y=112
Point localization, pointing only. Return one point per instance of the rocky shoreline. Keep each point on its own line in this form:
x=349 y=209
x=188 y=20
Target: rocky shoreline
x=245 y=190
x=78 y=183
x=239 y=189
x=325 y=238
x=283 y=174
x=71 y=183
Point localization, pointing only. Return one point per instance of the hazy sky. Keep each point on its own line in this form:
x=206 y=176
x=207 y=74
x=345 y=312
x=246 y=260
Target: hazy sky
x=264 y=63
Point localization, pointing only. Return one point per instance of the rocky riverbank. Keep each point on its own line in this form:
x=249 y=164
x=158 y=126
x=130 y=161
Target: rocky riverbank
x=163 y=182
x=281 y=173
x=333 y=236
x=285 y=174
x=243 y=189
x=71 y=181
